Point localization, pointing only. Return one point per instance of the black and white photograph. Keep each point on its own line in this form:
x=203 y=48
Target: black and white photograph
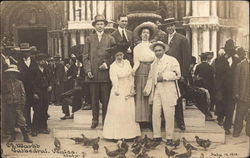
x=125 y=79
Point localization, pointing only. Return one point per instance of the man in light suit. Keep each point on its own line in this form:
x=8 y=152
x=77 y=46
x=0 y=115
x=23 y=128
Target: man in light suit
x=124 y=37
x=163 y=90
x=96 y=61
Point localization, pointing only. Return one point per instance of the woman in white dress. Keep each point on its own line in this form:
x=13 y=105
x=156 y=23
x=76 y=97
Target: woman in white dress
x=120 y=118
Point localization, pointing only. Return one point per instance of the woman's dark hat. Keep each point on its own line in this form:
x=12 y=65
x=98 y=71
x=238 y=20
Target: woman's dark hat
x=149 y=25
x=99 y=18
x=117 y=48
x=229 y=45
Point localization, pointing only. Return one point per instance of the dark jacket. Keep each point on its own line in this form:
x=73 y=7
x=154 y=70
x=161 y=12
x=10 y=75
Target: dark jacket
x=180 y=49
x=119 y=40
x=95 y=55
x=42 y=80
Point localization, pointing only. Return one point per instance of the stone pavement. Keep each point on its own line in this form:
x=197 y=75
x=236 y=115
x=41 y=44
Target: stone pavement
x=43 y=145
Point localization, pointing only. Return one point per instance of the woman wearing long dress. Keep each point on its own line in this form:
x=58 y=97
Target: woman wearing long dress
x=143 y=57
x=120 y=118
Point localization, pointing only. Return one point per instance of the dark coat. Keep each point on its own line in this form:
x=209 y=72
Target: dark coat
x=42 y=80
x=119 y=40
x=71 y=76
x=27 y=75
x=95 y=55
x=180 y=49
x=206 y=72
x=241 y=80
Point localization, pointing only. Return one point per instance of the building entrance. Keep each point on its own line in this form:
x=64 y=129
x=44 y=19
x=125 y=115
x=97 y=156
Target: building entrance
x=36 y=36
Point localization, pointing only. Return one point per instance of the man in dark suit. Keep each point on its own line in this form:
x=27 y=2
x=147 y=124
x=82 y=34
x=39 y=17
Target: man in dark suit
x=26 y=67
x=96 y=61
x=180 y=49
x=241 y=91
x=205 y=72
x=124 y=37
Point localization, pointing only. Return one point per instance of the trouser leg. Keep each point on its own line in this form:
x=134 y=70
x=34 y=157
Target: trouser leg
x=44 y=110
x=179 y=118
x=95 y=96
x=229 y=115
x=169 y=120
x=86 y=93
x=241 y=111
x=157 y=115
x=4 y=118
x=105 y=92
x=27 y=113
x=36 y=116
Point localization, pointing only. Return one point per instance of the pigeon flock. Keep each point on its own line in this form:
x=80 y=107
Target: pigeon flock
x=140 y=147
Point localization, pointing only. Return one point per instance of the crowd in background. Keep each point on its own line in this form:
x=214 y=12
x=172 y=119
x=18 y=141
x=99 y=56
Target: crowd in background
x=34 y=80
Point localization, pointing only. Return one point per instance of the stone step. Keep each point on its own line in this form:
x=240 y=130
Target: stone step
x=211 y=131
x=194 y=117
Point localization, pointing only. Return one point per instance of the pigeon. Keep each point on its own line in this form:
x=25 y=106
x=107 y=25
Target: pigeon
x=185 y=155
x=123 y=147
x=199 y=140
x=111 y=153
x=136 y=150
x=205 y=144
x=83 y=154
x=121 y=156
x=169 y=153
x=175 y=143
x=89 y=141
x=151 y=145
x=57 y=144
x=77 y=140
x=188 y=145
x=95 y=147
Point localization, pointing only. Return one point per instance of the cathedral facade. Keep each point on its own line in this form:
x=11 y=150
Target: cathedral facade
x=56 y=26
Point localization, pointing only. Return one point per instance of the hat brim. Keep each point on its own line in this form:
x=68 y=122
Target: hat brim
x=12 y=70
x=150 y=26
x=26 y=50
x=152 y=46
x=105 y=22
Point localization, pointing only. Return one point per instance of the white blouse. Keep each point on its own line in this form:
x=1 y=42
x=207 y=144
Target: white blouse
x=142 y=53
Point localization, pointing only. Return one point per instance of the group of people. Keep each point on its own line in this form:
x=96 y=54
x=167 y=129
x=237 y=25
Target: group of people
x=136 y=76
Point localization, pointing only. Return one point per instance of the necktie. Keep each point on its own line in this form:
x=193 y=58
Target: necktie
x=124 y=37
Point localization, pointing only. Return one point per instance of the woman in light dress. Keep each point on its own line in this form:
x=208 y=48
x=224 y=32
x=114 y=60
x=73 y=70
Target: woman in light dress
x=143 y=57
x=120 y=118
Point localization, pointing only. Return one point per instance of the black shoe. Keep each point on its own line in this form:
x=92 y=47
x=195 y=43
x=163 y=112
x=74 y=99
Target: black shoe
x=94 y=124
x=157 y=139
x=169 y=142
x=220 y=123
x=70 y=117
x=236 y=135
x=34 y=133
x=209 y=118
x=87 y=107
x=182 y=127
x=227 y=132
x=64 y=117
x=25 y=135
x=46 y=131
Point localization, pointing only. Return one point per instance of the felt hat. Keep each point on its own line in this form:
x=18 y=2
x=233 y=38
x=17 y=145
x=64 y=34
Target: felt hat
x=165 y=46
x=99 y=18
x=149 y=25
x=229 y=45
x=241 y=52
x=25 y=47
x=12 y=68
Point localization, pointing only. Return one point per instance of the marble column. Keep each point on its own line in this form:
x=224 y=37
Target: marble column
x=203 y=8
x=213 y=8
x=205 y=40
x=82 y=37
x=214 y=41
x=109 y=10
x=195 y=8
x=83 y=10
x=188 y=7
x=56 y=46
x=65 y=44
x=60 y=46
x=94 y=10
x=195 y=52
x=71 y=11
x=73 y=38
x=78 y=10
x=65 y=12
x=100 y=7
x=89 y=10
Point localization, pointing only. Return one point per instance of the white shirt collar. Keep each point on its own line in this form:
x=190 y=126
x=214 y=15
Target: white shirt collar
x=171 y=35
x=99 y=33
x=28 y=59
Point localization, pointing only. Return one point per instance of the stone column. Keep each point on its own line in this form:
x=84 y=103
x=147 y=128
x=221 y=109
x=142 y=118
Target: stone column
x=78 y=10
x=205 y=39
x=60 y=46
x=83 y=10
x=203 y=8
x=195 y=8
x=94 y=5
x=82 y=37
x=65 y=44
x=213 y=8
x=195 y=42
x=89 y=10
x=188 y=7
x=100 y=7
x=73 y=38
x=65 y=12
x=214 y=41
x=56 y=46
x=109 y=10
x=71 y=11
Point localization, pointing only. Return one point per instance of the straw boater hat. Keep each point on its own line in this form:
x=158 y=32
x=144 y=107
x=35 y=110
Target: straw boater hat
x=99 y=18
x=168 y=21
x=149 y=25
x=165 y=46
x=12 y=68
x=25 y=47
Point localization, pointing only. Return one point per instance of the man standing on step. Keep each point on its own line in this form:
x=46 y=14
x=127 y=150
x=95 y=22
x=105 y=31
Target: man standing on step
x=124 y=37
x=180 y=49
x=96 y=61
